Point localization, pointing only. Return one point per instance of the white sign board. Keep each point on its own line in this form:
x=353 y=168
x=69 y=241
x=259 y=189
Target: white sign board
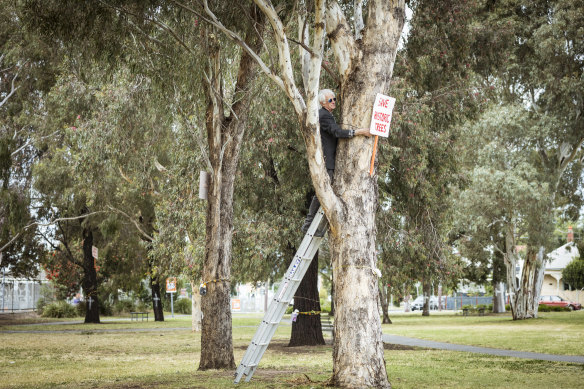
x=381 y=117
x=94 y=252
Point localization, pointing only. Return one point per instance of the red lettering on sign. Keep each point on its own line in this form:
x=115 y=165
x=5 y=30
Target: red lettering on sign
x=384 y=117
x=380 y=127
x=383 y=103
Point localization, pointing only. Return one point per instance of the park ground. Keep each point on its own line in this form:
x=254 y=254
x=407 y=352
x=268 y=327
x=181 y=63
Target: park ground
x=124 y=354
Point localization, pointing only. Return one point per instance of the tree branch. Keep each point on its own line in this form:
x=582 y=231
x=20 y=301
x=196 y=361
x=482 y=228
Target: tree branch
x=13 y=89
x=342 y=41
x=234 y=37
x=325 y=67
x=47 y=224
x=136 y=224
x=162 y=25
x=572 y=155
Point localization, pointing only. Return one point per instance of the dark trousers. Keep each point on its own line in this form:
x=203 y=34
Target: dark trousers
x=315 y=204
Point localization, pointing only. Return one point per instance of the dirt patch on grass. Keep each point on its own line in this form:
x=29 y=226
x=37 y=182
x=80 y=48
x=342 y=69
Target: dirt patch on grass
x=389 y=346
x=7 y=319
x=282 y=347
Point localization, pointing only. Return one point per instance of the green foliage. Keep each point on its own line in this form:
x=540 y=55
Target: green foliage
x=59 y=309
x=105 y=308
x=549 y=308
x=123 y=306
x=573 y=274
x=418 y=166
x=184 y=306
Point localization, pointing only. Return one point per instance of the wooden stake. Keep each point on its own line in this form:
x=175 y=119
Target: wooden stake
x=373 y=156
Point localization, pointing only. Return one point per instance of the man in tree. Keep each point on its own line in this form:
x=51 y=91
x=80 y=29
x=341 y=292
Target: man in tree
x=330 y=132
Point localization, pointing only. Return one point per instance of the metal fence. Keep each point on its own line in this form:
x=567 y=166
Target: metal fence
x=458 y=302
x=19 y=295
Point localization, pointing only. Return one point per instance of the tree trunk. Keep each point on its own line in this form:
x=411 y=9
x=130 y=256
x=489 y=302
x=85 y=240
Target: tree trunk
x=307 y=329
x=196 y=305
x=426 y=291
x=89 y=282
x=358 y=359
x=216 y=334
x=224 y=138
x=384 y=302
x=156 y=299
x=523 y=292
x=498 y=284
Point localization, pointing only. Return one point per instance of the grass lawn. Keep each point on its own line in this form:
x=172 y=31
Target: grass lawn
x=124 y=354
x=552 y=332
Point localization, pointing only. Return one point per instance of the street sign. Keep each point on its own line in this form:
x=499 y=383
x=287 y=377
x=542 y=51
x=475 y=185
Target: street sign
x=171 y=285
x=94 y=252
x=381 y=116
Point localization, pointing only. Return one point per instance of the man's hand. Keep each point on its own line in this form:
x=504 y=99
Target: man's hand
x=363 y=132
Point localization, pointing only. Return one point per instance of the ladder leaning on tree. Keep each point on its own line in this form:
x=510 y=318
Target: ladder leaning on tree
x=282 y=298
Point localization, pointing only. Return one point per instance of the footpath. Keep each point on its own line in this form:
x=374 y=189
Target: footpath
x=415 y=342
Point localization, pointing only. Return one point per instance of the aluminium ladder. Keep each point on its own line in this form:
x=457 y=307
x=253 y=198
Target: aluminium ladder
x=282 y=298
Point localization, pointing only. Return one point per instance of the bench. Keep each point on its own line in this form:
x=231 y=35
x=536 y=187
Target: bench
x=138 y=314
x=464 y=311
x=326 y=323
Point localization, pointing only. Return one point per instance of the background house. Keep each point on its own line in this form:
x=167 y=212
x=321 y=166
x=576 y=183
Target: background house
x=553 y=283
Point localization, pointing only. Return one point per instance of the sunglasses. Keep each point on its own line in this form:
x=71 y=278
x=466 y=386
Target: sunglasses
x=333 y=99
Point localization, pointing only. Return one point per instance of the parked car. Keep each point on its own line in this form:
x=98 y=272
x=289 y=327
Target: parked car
x=557 y=301
x=418 y=303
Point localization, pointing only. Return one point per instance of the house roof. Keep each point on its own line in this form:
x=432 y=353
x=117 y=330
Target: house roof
x=562 y=256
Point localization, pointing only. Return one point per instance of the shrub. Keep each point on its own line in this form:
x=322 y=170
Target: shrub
x=548 y=308
x=59 y=309
x=123 y=306
x=41 y=304
x=143 y=307
x=81 y=308
x=183 y=306
x=105 y=308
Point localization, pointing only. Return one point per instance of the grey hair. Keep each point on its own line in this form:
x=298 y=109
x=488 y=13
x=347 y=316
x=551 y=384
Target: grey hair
x=323 y=94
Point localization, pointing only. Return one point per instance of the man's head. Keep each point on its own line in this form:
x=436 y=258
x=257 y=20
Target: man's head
x=327 y=99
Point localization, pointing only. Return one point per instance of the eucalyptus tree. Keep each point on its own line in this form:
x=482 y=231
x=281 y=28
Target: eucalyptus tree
x=539 y=71
x=506 y=203
x=271 y=198
x=365 y=54
x=420 y=166
x=164 y=30
x=24 y=77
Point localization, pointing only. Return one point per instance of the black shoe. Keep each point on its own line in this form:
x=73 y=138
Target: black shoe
x=305 y=226
x=320 y=233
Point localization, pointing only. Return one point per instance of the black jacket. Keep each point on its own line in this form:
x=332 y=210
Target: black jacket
x=330 y=133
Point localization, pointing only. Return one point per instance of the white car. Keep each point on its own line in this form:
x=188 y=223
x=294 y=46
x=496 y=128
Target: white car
x=418 y=303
